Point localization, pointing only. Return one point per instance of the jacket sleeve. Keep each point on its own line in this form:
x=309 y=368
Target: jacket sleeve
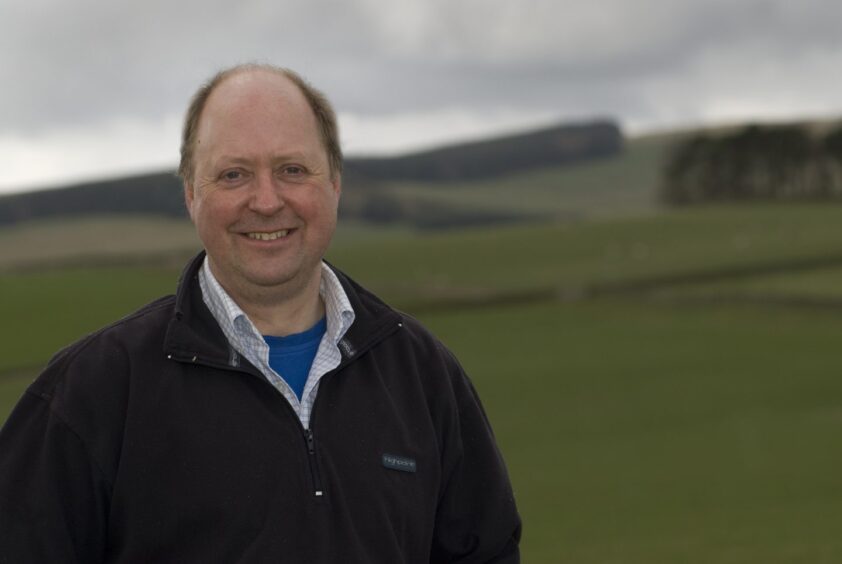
x=52 y=494
x=477 y=520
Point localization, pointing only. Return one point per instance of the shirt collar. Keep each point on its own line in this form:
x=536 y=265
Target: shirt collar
x=340 y=315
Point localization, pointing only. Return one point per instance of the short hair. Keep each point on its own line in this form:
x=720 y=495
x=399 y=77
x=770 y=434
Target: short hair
x=318 y=102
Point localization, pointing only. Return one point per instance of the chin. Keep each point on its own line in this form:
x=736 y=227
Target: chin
x=277 y=278
x=268 y=280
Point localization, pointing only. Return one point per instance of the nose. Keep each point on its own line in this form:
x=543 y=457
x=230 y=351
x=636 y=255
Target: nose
x=266 y=197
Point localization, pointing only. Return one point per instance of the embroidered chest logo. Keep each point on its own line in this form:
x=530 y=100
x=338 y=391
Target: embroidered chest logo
x=400 y=463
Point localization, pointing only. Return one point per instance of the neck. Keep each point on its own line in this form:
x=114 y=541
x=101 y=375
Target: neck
x=281 y=311
x=285 y=317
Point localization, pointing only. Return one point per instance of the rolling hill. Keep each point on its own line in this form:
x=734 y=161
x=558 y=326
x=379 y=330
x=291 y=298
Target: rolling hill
x=368 y=182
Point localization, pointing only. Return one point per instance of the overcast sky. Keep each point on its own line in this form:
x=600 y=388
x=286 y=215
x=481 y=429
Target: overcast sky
x=92 y=89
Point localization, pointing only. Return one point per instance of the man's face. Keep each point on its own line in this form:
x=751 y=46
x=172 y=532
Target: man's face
x=262 y=198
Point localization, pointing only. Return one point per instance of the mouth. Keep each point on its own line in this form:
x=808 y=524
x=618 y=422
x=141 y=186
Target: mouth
x=268 y=235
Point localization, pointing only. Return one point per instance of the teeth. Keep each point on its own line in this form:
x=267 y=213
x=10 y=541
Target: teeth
x=269 y=236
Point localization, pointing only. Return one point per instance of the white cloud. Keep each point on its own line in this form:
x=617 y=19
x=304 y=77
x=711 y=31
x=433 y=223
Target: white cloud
x=89 y=86
x=75 y=154
x=410 y=131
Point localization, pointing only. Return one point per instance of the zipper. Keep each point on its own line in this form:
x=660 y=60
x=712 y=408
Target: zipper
x=314 y=465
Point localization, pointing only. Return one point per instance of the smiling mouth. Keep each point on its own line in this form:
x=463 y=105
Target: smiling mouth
x=270 y=236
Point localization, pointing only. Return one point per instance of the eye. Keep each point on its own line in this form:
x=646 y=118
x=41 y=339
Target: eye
x=293 y=170
x=232 y=176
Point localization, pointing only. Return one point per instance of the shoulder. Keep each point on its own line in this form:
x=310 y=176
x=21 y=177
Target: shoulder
x=373 y=314
x=130 y=331
x=85 y=389
x=425 y=340
x=97 y=360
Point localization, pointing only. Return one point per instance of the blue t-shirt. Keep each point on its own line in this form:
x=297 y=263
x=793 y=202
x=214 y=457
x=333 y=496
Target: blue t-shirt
x=292 y=356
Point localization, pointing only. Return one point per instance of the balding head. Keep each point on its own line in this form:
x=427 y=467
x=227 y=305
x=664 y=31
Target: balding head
x=318 y=103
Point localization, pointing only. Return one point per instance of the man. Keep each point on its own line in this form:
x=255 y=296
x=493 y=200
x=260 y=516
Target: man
x=272 y=410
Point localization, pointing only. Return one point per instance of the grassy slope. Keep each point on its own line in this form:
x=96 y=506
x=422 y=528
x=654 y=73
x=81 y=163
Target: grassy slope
x=645 y=434
x=414 y=271
x=636 y=431
x=47 y=310
x=618 y=186
x=35 y=244
x=819 y=286
x=569 y=258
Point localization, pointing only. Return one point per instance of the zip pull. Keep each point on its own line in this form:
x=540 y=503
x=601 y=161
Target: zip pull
x=311 y=449
x=311 y=442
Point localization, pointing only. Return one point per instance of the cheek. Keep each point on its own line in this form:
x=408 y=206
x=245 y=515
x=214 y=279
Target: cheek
x=315 y=205
x=329 y=201
x=212 y=222
x=215 y=209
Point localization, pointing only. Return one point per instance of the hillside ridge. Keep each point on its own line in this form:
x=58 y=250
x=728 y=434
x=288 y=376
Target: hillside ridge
x=160 y=193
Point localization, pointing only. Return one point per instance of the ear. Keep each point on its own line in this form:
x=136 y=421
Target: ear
x=336 y=182
x=188 y=197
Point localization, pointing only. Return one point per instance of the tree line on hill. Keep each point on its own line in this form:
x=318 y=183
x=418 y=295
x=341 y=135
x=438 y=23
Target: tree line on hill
x=367 y=194
x=780 y=162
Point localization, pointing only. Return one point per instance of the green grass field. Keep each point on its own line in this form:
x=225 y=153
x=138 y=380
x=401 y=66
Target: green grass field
x=643 y=420
x=100 y=239
x=642 y=433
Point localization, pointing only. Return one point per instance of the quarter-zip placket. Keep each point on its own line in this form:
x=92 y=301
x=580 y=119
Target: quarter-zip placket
x=309 y=439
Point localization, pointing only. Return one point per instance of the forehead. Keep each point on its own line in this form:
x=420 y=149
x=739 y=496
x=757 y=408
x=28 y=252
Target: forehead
x=257 y=109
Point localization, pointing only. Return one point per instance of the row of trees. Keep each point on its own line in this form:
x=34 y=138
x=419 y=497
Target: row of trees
x=785 y=162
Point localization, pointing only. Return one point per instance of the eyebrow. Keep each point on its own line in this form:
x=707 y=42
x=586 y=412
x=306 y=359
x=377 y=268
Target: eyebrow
x=237 y=160
x=229 y=160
